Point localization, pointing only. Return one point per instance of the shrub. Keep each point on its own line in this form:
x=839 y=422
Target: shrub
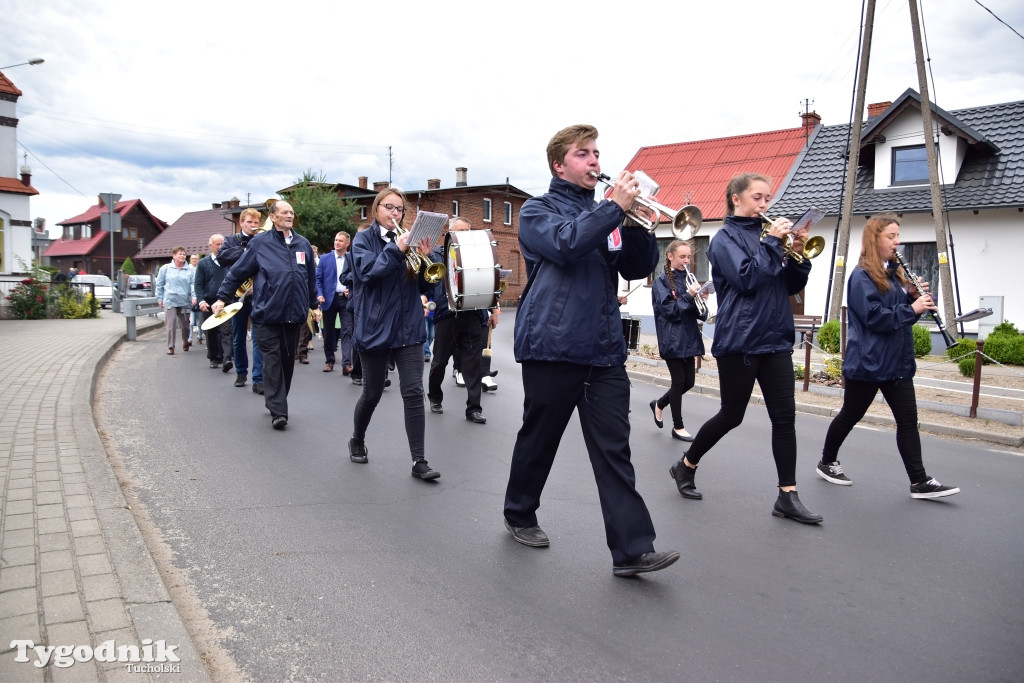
x=834 y=367
x=1006 y=349
x=828 y=337
x=29 y=300
x=963 y=346
x=798 y=370
x=966 y=366
x=73 y=306
x=1005 y=327
x=128 y=268
x=922 y=341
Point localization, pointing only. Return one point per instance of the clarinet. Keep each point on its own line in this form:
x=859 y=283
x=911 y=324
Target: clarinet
x=936 y=318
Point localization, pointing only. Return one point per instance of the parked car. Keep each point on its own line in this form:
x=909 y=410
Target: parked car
x=102 y=288
x=139 y=286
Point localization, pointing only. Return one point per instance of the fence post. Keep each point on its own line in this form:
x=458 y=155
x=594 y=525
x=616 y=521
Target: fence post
x=977 y=378
x=807 y=359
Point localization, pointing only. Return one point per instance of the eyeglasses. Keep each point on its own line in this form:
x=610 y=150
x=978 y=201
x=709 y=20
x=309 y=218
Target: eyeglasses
x=394 y=207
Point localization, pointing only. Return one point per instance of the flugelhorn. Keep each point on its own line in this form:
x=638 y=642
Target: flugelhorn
x=434 y=272
x=686 y=221
x=812 y=247
x=936 y=318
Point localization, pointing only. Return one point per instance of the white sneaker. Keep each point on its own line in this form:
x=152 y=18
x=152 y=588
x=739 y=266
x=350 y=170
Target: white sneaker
x=488 y=384
x=460 y=381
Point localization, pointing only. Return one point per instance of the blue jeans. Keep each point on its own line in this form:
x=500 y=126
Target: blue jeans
x=430 y=335
x=239 y=327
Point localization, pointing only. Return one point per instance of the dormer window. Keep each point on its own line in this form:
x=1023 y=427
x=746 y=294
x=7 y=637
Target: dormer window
x=909 y=165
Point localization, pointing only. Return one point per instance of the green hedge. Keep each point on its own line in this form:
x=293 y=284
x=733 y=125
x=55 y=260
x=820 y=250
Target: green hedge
x=922 y=341
x=828 y=337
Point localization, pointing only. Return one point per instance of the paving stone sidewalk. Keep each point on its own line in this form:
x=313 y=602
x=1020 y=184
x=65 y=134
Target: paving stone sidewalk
x=74 y=570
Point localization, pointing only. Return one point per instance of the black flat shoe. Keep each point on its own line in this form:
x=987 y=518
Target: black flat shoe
x=654 y=411
x=788 y=505
x=648 y=562
x=532 y=536
x=677 y=435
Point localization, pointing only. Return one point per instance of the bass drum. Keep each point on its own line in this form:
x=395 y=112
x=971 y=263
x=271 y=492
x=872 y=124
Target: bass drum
x=471 y=257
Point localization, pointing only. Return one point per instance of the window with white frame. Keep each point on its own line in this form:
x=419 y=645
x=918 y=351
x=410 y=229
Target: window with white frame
x=455 y=207
x=909 y=165
x=508 y=213
x=487 y=211
x=362 y=212
x=86 y=232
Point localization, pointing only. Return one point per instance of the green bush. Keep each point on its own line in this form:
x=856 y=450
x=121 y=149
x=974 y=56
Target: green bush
x=966 y=366
x=1005 y=349
x=128 y=268
x=73 y=306
x=828 y=337
x=798 y=370
x=922 y=341
x=1005 y=327
x=29 y=300
x=963 y=346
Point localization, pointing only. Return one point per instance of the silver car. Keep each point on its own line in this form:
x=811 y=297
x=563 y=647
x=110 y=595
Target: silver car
x=102 y=288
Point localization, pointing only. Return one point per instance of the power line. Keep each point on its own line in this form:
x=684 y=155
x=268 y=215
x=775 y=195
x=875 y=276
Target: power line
x=43 y=163
x=1000 y=20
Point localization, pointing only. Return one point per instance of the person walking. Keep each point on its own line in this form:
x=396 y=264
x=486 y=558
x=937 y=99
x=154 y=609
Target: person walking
x=174 y=295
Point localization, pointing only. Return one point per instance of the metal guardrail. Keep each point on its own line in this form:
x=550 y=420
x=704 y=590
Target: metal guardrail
x=138 y=306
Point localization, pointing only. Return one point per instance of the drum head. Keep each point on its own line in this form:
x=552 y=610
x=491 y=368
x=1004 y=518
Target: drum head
x=471 y=257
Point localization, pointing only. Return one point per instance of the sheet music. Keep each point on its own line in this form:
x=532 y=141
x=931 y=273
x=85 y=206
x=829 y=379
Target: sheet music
x=708 y=288
x=810 y=217
x=428 y=225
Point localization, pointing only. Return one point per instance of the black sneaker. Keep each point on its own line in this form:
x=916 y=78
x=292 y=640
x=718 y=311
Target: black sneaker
x=257 y=388
x=833 y=472
x=226 y=368
x=932 y=489
x=421 y=470
x=240 y=381
x=357 y=451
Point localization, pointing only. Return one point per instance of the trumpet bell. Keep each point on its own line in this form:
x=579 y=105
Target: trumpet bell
x=814 y=246
x=225 y=315
x=687 y=222
x=434 y=273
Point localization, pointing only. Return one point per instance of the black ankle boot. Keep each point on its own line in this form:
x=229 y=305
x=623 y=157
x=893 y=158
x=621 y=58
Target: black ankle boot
x=357 y=451
x=684 y=480
x=788 y=505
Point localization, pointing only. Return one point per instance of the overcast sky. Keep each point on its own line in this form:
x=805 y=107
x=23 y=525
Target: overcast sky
x=188 y=103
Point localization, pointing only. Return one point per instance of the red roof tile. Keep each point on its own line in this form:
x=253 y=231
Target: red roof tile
x=15 y=186
x=6 y=86
x=94 y=211
x=63 y=247
x=191 y=231
x=697 y=172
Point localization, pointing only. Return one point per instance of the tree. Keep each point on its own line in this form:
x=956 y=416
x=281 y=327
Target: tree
x=128 y=268
x=319 y=211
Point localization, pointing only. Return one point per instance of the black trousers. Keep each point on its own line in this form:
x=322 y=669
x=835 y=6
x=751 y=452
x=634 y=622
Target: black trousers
x=218 y=340
x=902 y=401
x=461 y=331
x=409 y=363
x=773 y=373
x=601 y=397
x=684 y=374
x=337 y=309
x=277 y=342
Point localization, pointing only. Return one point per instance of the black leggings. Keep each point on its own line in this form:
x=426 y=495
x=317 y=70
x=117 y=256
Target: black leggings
x=773 y=372
x=683 y=372
x=903 y=404
x=409 y=362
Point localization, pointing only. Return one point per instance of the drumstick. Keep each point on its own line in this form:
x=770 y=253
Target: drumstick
x=487 y=350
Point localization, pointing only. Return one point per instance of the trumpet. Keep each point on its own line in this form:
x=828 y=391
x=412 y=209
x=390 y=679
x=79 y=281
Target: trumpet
x=434 y=272
x=698 y=300
x=811 y=249
x=686 y=221
x=936 y=318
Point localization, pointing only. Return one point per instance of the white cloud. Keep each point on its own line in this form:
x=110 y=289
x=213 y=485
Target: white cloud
x=193 y=103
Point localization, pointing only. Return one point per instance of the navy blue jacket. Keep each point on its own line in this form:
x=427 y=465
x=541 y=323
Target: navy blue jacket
x=209 y=276
x=388 y=309
x=675 y=319
x=569 y=311
x=880 y=338
x=233 y=247
x=327 y=276
x=284 y=287
x=753 y=287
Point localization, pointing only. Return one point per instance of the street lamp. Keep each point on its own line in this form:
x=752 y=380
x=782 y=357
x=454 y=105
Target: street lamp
x=31 y=62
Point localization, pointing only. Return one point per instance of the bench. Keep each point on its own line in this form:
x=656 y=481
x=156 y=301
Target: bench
x=139 y=306
x=806 y=323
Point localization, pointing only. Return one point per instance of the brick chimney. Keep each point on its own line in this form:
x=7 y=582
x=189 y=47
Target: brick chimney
x=362 y=182
x=433 y=183
x=233 y=203
x=460 y=177
x=810 y=119
x=381 y=185
x=877 y=108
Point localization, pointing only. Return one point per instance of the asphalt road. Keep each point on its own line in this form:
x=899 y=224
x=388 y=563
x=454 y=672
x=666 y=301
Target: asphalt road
x=312 y=567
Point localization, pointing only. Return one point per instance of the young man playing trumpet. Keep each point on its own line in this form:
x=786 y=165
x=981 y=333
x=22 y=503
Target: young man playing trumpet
x=568 y=338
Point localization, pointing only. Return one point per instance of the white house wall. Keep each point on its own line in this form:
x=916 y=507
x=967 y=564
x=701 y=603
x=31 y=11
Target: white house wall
x=906 y=131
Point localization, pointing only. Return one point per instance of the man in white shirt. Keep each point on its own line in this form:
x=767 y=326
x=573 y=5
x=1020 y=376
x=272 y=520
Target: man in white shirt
x=333 y=298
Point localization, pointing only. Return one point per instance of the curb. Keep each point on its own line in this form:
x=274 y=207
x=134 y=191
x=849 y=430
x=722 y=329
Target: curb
x=825 y=411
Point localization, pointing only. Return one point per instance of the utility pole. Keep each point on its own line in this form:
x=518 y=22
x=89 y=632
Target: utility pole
x=853 y=160
x=941 y=246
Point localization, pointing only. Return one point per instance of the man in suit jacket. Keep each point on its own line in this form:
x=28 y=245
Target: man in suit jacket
x=333 y=296
x=209 y=274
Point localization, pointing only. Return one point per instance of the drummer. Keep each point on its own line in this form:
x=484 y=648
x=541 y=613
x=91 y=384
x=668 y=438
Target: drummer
x=462 y=330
